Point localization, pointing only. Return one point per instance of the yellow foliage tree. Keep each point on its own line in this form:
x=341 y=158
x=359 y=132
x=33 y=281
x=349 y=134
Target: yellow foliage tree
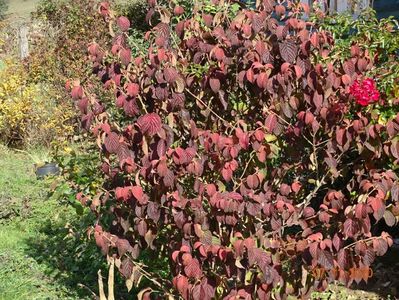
x=29 y=114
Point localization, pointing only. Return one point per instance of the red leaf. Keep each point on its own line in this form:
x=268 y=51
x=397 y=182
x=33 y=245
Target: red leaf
x=93 y=49
x=193 y=269
x=325 y=259
x=314 y=39
x=343 y=259
x=169 y=178
x=395 y=148
x=132 y=89
x=280 y=10
x=308 y=212
x=182 y=286
x=137 y=192
x=313 y=249
x=368 y=257
x=317 y=100
x=261 y=154
x=211 y=189
x=346 y=79
x=349 y=68
x=341 y=136
x=77 y=92
x=261 y=80
x=123 y=246
x=142 y=228
x=126 y=56
x=298 y=71
x=378 y=207
x=214 y=83
x=247 y=30
x=123 y=23
x=170 y=75
x=178 y=10
x=203 y=291
x=337 y=242
x=380 y=246
x=389 y=218
x=112 y=143
x=150 y=124
x=219 y=54
x=362 y=64
x=101 y=242
x=259 y=135
x=271 y=122
x=227 y=173
x=296 y=186
x=126 y=267
x=285 y=189
x=130 y=107
x=253 y=181
x=350 y=228
x=82 y=105
x=288 y=51
x=250 y=75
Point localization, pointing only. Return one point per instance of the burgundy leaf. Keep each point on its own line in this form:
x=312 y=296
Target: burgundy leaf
x=123 y=23
x=112 y=143
x=214 y=83
x=271 y=122
x=325 y=259
x=150 y=124
x=193 y=269
x=288 y=51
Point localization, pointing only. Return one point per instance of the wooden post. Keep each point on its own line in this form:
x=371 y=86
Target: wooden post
x=23 y=41
x=342 y=6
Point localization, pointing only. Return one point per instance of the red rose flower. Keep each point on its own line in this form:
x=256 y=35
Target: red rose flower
x=365 y=92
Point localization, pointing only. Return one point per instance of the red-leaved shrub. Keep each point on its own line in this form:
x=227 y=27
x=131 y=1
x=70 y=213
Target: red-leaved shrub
x=236 y=152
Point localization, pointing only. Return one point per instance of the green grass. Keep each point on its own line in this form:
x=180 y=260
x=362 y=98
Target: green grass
x=21 y=8
x=39 y=257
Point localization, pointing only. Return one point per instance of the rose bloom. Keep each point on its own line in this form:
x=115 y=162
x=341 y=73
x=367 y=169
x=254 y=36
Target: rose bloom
x=365 y=92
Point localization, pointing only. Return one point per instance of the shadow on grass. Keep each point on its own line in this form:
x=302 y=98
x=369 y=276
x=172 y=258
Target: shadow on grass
x=385 y=280
x=70 y=259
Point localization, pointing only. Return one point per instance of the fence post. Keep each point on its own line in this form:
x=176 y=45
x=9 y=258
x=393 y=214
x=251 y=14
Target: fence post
x=23 y=41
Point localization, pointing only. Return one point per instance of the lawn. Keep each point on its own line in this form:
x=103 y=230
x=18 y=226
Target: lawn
x=21 y=8
x=39 y=257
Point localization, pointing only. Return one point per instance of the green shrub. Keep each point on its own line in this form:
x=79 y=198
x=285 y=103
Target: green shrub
x=381 y=39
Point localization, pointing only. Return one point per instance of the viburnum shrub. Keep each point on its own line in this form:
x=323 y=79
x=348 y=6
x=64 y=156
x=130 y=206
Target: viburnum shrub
x=235 y=151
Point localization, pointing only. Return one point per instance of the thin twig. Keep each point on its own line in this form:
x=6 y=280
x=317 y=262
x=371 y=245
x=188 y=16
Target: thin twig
x=101 y=286
x=365 y=241
x=81 y=285
x=246 y=167
x=311 y=195
x=111 y=295
x=208 y=107
x=315 y=155
x=277 y=115
x=148 y=275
